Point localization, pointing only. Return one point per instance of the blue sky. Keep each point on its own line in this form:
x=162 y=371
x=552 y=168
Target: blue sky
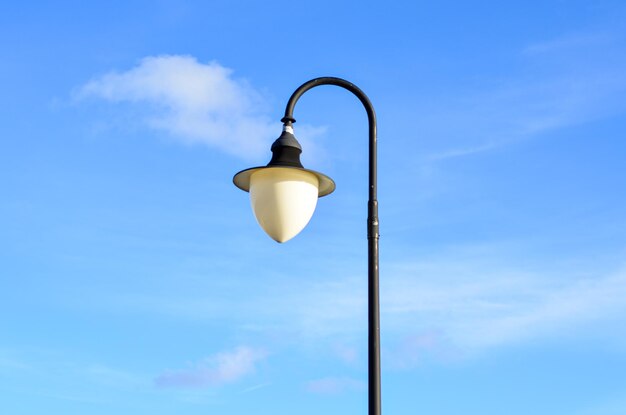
x=134 y=278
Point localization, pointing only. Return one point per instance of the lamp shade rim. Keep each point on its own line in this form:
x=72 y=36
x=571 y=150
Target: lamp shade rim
x=326 y=184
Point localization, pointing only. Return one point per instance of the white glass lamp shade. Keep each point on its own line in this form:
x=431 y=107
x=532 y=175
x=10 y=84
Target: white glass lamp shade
x=283 y=200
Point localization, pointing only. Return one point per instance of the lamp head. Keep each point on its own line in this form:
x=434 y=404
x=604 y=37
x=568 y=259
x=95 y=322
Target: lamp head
x=283 y=193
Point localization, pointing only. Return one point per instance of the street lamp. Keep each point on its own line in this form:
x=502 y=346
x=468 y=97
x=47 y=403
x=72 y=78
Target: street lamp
x=284 y=195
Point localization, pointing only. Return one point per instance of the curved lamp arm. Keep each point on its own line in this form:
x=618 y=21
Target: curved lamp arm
x=374 y=396
x=288 y=119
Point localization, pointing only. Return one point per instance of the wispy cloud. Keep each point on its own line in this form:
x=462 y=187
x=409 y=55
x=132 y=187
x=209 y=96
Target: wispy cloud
x=562 y=82
x=463 y=151
x=448 y=308
x=476 y=309
x=216 y=370
x=445 y=309
x=194 y=102
x=334 y=385
x=572 y=42
x=256 y=387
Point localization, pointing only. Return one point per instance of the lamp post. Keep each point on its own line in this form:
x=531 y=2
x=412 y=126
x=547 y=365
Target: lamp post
x=284 y=195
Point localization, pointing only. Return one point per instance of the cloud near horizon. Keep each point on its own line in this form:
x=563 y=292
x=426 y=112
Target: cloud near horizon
x=194 y=102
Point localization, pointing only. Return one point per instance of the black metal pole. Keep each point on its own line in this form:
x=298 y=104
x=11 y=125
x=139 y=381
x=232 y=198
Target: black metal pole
x=374 y=401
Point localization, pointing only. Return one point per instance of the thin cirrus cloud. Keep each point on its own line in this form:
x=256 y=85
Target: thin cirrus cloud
x=429 y=311
x=441 y=311
x=470 y=311
x=193 y=102
x=562 y=82
x=217 y=370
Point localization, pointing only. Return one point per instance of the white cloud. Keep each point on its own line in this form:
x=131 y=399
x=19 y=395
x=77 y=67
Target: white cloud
x=217 y=370
x=194 y=102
